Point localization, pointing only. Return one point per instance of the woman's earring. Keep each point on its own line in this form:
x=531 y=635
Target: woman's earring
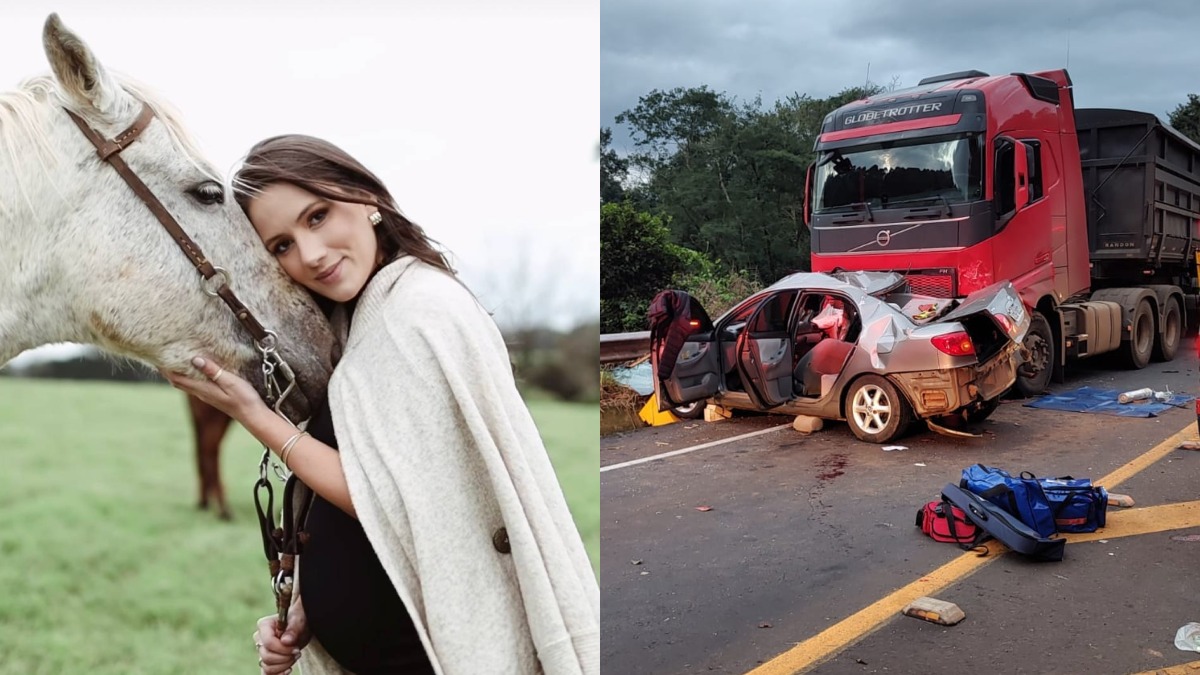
x=375 y=218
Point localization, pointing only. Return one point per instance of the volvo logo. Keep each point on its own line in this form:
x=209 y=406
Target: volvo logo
x=883 y=238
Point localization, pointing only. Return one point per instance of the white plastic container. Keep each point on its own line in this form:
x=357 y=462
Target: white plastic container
x=1135 y=395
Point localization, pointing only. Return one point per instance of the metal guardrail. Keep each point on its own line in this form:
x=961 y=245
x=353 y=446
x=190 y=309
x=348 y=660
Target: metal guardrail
x=618 y=347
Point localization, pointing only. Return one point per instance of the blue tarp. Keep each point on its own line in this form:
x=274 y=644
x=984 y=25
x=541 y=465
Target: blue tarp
x=1104 y=402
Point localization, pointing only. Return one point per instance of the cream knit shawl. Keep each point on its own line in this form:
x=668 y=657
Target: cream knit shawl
x=439 y=452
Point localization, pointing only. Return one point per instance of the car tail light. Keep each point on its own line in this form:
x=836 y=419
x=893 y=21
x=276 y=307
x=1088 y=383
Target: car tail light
x=954 y=344
x=1005 y=322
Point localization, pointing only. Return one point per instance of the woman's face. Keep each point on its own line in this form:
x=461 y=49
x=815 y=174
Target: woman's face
x=329 y=247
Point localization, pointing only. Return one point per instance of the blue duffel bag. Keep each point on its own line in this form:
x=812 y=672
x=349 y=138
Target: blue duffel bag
x=1020 y=496
x=1047 y=505
x=1078 y=505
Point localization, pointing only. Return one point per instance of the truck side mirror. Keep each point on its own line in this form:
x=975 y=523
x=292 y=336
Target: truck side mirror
x=1021 y=166
x=808 y=178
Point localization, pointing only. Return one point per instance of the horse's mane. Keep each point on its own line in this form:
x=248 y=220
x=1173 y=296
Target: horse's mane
x=23 y=114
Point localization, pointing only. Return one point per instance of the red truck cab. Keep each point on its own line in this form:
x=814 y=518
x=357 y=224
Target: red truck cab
x=968 y=179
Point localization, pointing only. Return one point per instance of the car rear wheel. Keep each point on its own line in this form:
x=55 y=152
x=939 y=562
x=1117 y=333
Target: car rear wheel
x=689 y=411
x=1167 y=341
x=876 y=411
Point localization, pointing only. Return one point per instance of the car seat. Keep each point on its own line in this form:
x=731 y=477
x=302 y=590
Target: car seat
x=827 y=357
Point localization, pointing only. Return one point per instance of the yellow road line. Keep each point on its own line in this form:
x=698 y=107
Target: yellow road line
x=1142 y=461
x=869 y=619
x=1146 y=520
x=1190 y=668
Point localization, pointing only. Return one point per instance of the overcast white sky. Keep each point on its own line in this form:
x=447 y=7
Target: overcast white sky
x=1121 y=54
x=481 y=117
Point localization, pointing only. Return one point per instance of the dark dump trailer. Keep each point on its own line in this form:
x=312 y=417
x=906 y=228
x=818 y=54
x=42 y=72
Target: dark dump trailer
x=1141 y=181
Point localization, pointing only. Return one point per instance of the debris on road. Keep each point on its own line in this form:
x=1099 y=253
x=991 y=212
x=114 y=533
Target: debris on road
x=635 y=562
x=715 y=413
x=1187 y=637
x=934 y=611
x=1135 y=395
x=764 y=625
x=807 y=424
x=704 y=508
x=1188 y=445
x=919 y=464
x=954 y=433
x=890 y=448
x=1120 y=500
x=1186 y=537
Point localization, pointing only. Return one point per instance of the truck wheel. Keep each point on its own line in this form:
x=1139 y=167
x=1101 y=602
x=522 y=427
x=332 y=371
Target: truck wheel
x=689 y=411
x=1034 y=375
x=1167 y=341
x=876 y=411
x=1141 y=338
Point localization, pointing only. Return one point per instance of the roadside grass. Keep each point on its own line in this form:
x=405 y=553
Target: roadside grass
x=106 y=566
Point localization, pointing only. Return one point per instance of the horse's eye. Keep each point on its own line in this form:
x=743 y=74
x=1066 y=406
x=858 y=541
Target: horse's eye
x=208 y=193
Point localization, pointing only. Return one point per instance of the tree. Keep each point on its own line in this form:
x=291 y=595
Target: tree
x=524 y=299
x=613 y=170
x=637 y=259
x=669 y=124
x=729 y=177
x=1186 y=118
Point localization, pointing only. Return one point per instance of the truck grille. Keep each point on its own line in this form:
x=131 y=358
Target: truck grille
x=937 y=285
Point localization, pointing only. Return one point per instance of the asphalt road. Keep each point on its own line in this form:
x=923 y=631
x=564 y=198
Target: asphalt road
x=727 y=558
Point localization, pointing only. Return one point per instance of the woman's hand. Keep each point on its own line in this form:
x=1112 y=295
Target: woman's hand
x=221 y=389
x=278 y=653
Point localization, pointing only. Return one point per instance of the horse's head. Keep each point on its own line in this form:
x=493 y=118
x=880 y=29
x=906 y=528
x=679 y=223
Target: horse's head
x=96 y=266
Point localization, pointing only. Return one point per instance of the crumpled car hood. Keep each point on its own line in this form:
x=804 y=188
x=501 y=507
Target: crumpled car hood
x=886 y=327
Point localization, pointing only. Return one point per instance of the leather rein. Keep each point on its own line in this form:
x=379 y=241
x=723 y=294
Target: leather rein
x=281 y=544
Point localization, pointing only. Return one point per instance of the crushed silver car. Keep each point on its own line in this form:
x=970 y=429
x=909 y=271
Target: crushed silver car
x=854 y=346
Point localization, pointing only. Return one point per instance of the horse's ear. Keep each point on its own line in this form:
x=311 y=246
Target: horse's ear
x=84 y=81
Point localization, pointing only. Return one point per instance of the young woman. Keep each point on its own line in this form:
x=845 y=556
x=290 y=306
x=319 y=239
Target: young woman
x=440 y=541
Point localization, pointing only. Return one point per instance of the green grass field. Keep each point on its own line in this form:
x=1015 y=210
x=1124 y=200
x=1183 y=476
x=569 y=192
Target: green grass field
x=106 y=566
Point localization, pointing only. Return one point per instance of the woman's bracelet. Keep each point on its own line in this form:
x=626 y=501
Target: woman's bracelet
x=288 y=445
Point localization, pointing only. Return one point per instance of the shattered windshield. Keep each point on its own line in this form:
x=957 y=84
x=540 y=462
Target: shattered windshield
x=885 y=175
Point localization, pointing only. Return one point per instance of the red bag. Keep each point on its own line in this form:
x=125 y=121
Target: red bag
x=933 y=521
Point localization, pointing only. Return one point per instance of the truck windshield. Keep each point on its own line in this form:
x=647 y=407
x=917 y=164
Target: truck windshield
x=944 y=170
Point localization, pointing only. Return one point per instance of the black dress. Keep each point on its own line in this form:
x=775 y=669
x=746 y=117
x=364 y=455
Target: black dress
x=351 y=605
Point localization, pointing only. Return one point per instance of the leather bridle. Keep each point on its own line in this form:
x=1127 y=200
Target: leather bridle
x=216 y=279
x=282 y=544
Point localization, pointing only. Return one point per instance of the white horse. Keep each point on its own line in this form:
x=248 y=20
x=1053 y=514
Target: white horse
x=82 y=259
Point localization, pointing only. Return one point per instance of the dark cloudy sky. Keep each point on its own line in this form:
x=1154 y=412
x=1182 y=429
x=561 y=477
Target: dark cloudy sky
x=1123 y=54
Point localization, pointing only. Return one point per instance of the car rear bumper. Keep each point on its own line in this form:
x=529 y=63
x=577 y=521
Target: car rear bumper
x=941 y=392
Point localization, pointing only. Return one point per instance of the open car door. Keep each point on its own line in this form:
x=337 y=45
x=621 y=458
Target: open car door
x=765 y=352
x=684 y=357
